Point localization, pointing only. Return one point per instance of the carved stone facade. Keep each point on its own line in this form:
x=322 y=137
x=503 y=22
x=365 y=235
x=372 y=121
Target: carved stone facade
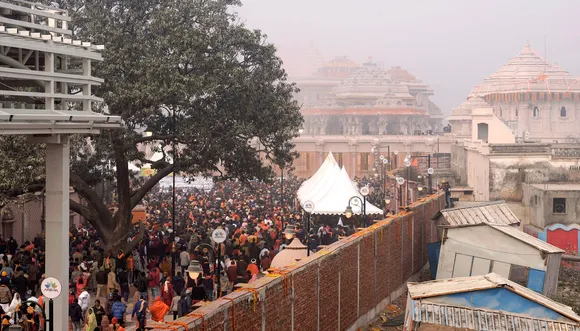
x=538 y=101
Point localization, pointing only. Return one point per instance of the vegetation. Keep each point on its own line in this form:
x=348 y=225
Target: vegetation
x=189 y=73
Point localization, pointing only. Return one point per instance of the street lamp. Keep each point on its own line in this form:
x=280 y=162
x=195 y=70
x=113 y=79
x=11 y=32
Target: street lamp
x=408 y=166
x=194 y=270
x=289 y=232
x=348 y=212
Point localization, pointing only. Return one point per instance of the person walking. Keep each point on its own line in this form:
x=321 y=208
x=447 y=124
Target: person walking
x=102 y=281
x=140 y=312
x=75 y=313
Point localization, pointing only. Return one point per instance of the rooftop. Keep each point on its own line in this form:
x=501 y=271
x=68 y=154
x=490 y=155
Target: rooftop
x=518 y=235
x=441 y=287
x=557 y=186
x=493 y=212
x=527 y=72
x=339 y=67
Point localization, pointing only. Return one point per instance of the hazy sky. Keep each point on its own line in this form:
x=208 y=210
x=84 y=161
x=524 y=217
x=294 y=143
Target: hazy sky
x=450 y=44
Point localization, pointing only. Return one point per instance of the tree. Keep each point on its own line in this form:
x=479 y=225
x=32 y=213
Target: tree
x=192 y=74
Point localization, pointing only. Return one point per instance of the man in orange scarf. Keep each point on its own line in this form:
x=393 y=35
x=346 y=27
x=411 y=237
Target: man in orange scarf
x=158 y=310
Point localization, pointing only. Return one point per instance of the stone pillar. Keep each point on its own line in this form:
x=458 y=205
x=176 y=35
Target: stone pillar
x=57 y=223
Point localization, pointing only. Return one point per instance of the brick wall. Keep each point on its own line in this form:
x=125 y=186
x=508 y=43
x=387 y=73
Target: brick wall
x=334 y=289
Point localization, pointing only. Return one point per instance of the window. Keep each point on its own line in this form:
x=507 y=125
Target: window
x=517 y=112
x=307 y=160
x=482 y=131
x=536 y=112
x=559 y=206
x=364 y=161
x=563 y=112
x=500 y=112
x=339 y=159
x=519 y=274
x=535 y=199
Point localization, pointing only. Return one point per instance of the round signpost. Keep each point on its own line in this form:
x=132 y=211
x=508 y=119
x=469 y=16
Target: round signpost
x=430 y=171
x=219 y=235
x=382 y=157
x=385 y=161
x=407 y=163
x=309 y=206
x=396 y=152
x=400 y=180
x=51 y=289
x=364 y=191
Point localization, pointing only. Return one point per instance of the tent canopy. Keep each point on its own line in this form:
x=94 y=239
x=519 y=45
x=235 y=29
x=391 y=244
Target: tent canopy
x=330 y=189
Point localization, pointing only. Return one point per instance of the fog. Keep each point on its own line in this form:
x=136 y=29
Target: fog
x=450 y=44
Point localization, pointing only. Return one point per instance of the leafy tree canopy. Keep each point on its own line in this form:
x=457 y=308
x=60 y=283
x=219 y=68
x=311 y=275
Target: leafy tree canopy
x=189 y=72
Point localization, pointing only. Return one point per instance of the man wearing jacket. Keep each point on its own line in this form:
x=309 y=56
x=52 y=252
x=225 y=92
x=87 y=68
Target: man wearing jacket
x=140 y=311
x=76 y=316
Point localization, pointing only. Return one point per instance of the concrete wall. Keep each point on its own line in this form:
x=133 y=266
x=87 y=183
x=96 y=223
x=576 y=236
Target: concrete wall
x=484 y=242
x=540 y=203
x=498 y=132
x=341 y=287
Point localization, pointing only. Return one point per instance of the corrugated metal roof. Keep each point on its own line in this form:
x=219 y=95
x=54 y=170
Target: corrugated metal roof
x=528 y=239
x=495 y=212
x=468 y=284
x=481 y=319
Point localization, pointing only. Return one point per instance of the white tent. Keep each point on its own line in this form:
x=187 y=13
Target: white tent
x=328 y=168
x=330 y=189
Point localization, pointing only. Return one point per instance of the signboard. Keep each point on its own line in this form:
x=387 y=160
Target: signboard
x=364 y=191
x=396 y=152
x=308 y=206
x=219 y=235
x=400 y=180
x=430 y=171
x=382 y=157
x=407 y=163
x=385 y=161
x=50 y=287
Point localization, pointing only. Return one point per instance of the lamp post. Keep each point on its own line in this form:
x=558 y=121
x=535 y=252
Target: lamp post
x=308 y=208
x=173 y=260
x=348 y=211
x=408 y=166
x=282 y=196
x=194 y=270
x=217 y=259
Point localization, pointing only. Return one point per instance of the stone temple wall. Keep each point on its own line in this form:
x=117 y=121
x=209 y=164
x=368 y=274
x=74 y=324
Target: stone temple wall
x=340 y=287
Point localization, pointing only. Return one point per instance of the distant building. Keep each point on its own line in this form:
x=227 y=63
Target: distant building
x=477 y=249
x=486 y=302
x=537 y=100
x=554 y=213
x=356 y=111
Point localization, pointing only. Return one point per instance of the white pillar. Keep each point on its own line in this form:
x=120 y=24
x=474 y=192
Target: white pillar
x=57 y=224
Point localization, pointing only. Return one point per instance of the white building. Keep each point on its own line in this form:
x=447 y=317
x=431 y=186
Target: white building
x=478 y=249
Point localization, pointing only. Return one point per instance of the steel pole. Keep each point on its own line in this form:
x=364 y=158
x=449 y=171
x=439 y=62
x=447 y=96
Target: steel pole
x=219 y=274
x=51 y=315
x=282 y=196
x=308 y=235
x=430 y=181
x=173 y=260
x=389 y=156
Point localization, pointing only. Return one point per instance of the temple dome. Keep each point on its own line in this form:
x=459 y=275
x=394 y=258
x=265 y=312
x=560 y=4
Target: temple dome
x=339 y=67
x=294 y=252
x=527 y=72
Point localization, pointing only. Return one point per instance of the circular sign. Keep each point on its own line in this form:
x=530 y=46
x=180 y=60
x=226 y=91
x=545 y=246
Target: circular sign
x=400 y=180
x=50 y=287
x=430 y=171
x=219 y=235
x=382 y=157
x=407 y=163
x=396 y=152
x=364 y=191
x=385 y=161
x=309 y=206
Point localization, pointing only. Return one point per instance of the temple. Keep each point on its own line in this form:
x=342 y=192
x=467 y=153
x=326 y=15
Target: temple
x=537 y=100
x=359 y=110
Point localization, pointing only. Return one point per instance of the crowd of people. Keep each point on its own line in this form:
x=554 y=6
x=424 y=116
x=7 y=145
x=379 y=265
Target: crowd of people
x=109 y=286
